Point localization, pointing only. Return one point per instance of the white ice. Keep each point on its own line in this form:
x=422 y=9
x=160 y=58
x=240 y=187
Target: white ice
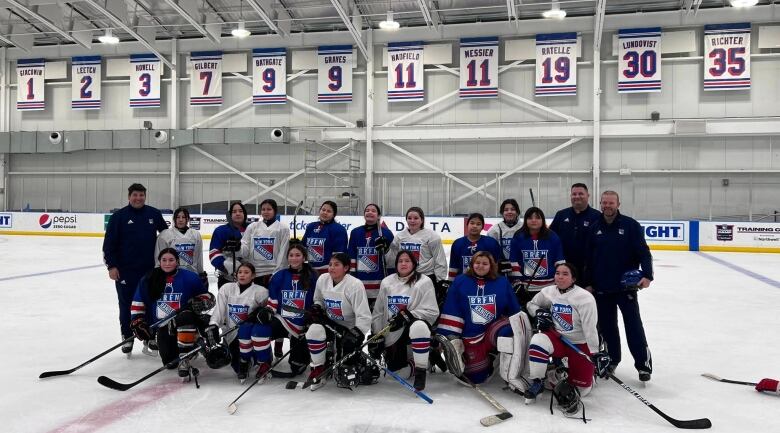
x=700 y=316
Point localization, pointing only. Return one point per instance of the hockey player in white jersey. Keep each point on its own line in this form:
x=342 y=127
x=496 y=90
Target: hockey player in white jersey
x=264 y=243
x=505 y=230
x=187 y=241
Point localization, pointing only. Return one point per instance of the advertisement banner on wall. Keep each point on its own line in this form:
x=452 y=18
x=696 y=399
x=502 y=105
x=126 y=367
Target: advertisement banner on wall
x=739 y=236
x=52 y=223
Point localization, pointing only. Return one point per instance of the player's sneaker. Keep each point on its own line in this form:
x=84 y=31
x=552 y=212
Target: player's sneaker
x=316 y=377
x=534 y=389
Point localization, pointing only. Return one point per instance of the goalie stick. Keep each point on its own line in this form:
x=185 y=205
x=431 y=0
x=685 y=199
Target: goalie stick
x=489 y=420
x=720 y=379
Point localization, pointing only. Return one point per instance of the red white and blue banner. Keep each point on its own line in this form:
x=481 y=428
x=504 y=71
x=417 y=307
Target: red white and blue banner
x=556 y=64
x=206 y=79
x=639 y=60
x=85 y=83
x=334 y=73
x=727 y=56
x=479 y=67
x=269 y=76
x=145 y=71
x=405 y=71
x=30 y=76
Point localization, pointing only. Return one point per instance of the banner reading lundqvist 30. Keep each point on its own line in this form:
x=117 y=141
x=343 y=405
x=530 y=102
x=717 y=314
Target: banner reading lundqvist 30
x=639 y=60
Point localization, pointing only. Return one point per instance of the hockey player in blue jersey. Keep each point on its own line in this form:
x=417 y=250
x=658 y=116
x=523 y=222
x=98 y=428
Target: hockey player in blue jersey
x=464 y=248
x=325 y=237
x=534 y=252
x=226 y=243
x=368 y=250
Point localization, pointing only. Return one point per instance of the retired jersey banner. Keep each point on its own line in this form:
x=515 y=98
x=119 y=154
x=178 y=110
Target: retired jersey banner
x=206 y=78
x=727 y=56
x=269 y=76
x=405 y=71
x=334 y=73
x=145 y=71
x=30 y=75
x=85 y=83
x=479 y=67
x=639 y=60
x=556 y=64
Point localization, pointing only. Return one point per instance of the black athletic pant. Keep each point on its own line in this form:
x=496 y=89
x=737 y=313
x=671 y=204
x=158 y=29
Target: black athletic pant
x=125 y=291
x=628 y=303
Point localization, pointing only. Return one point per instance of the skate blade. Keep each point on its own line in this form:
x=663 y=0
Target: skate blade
x=232 y=408
x=530 y=400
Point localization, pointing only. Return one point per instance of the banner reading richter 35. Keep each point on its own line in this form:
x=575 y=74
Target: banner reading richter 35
x=727 y=56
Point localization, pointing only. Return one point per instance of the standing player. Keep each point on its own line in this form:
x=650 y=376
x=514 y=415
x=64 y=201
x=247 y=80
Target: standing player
x=465 y=247
x=504 y=231
x=264 y=243
x=572 y=224
x=408 y=300
x=128 y=250
x=325 y=237
x=534 y=253
x=616 y=245
x=226 y=243
x=186 y=241
x=368 y=248
x=564 y=309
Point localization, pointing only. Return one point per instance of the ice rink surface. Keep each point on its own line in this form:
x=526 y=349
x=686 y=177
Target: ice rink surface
x=59 y=309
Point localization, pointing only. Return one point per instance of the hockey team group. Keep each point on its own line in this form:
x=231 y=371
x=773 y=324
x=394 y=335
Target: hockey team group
x=536 y=304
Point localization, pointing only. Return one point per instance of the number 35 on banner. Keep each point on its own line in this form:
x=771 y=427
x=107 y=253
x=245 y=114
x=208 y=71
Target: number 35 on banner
x=727 y=56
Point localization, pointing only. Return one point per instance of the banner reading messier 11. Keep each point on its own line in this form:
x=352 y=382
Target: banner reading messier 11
x=727 y=56
x=556 y=64
x=479 y=67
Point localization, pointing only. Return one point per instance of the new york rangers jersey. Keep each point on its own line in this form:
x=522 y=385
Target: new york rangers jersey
x=366 y=263
x=188 y=244
x=286 y=288
x=474 y=303
x=265 y=246
x=502 y=233
x=395 y=294
x=322 y=240
x=345 y=303
x=218 y=238
x=234 y=305
x=463 y=249
x=533 y=259
x=426 y=246
x=179 y=289
x=574 y=313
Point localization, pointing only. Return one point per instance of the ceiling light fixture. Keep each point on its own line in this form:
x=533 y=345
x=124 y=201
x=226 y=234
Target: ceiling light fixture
x=555 y=13
x=240 y=31
x=108 y=38
x=743 y=3
x=389 y=23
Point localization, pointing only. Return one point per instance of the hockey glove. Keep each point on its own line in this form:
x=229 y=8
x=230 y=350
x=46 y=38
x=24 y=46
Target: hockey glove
x=232 y=245
x=381 y=244
x=264 y=315
x=505 y=267
x=544 y=320
x=211 y=335
x=442 y=287
x=402 y=319
x=204 y=279
x=318 y=314
x=141 y=329
x=601 y=361
x=352 y=338
x=376 y=348
x=202 y=303
x=769 y=385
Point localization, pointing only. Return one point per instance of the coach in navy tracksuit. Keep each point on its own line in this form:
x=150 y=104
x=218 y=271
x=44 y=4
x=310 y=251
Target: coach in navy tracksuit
x=616 y=244
x=128 y=250
x=573 y=224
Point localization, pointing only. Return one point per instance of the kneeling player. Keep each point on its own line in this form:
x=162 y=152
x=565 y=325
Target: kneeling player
x=407 y=299
x=340 y=307
x=564 y=309
x=476 y=313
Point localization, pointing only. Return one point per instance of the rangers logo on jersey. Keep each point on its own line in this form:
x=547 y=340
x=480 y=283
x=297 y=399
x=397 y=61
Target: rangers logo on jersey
x=413 y=248
x=466 y=262
x=333 y=307
x=237 y=312
x=506 y=244
x=169 y=303
x=316 y=248
x=396 y=303
x=562 y=315
x=535 y=263
x=483 y=309
x=186 y=253
x=264 y=247
x=293 y=298
x=368 y=259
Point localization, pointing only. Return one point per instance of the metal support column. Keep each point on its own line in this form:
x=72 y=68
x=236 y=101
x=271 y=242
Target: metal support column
x=598 y=27
x=174 y=115
x=4 y=109
x=369 y=185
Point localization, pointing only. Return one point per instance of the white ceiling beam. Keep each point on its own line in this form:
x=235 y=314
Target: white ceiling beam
x=266 y=18
x=511 y=12
x=45 y=22
x=350 y=27
x=190 y=19
x=598 y=27
x=431 y=17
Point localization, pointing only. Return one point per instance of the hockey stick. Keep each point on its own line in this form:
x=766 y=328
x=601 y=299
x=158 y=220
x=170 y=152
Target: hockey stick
x=400 y=379
x=157 y=324
x=232 y=407
x=720 y=379
x=533 y=200
x=701 y=423
x=295 y=220
x=111 y=383
x=489 y=420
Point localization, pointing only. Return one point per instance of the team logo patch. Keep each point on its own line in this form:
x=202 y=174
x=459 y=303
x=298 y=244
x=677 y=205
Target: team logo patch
x=238 y=312
x=562 y=315
x=316 y=248
x=264 y=247
x=535 y=261
x=168 y=304
x=506 y=243
x=413 y=248
x=466 y=262
x=186 y=253
x=293 y=298
x=724 y=232
x=396 y=303
x=368 y=259
x=483 y=309
x=333 y=307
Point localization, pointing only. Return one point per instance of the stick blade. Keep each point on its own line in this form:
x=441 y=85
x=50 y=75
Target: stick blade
x=46 y=374
x=495 y=419
x=111 y=383
x=693 y=424
x=232 y=408
x=712 y=376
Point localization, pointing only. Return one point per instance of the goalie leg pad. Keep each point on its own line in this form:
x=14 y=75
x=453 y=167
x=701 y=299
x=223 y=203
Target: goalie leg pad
x=512 y=344
x=453 y=354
